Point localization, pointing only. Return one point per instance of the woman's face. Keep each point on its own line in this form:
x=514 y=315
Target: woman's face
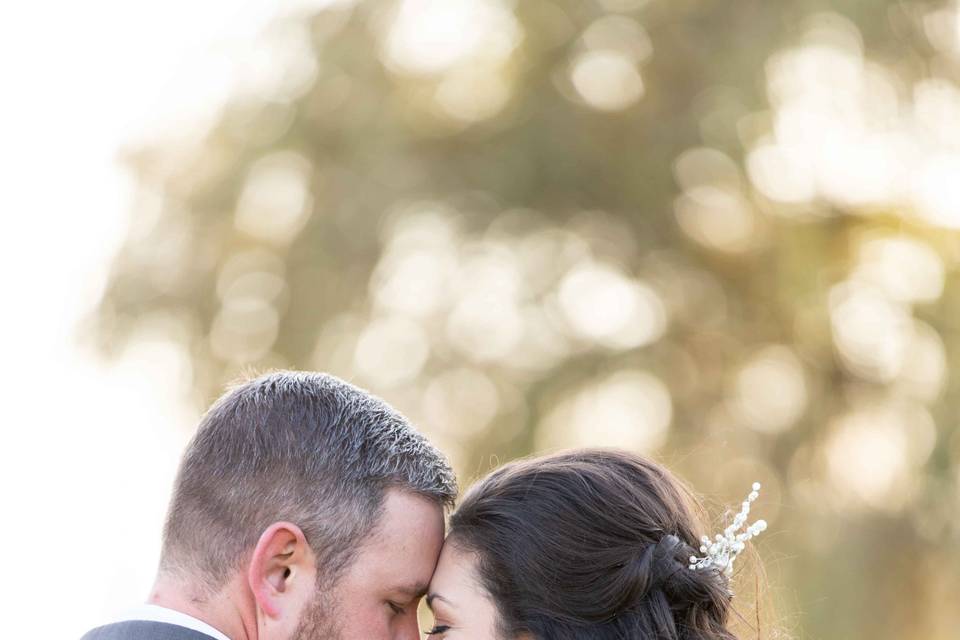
x=462 y=609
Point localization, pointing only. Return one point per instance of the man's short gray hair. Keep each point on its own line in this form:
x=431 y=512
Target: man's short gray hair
x=307 y=448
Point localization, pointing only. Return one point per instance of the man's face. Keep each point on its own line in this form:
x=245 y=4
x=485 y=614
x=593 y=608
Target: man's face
x=377 y=596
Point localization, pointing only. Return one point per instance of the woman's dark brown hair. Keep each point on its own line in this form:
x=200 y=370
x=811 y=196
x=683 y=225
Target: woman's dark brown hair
x=591 y=545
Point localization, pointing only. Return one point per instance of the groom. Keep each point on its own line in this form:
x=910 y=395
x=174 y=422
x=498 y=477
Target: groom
x=304 y=509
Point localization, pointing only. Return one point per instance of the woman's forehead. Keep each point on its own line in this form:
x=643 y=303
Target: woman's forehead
x=455 y=574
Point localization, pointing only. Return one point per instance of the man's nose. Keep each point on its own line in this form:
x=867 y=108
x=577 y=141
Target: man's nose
x=409 y=629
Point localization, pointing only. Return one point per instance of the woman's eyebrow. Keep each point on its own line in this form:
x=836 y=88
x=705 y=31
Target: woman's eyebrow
x=435 y=596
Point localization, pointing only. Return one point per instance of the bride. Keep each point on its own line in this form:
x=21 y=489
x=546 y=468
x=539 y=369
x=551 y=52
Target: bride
x=585 y=545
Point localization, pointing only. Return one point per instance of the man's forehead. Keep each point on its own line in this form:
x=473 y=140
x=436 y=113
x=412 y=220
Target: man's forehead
x=408 y=537
x=404 y=570
x=405 y=514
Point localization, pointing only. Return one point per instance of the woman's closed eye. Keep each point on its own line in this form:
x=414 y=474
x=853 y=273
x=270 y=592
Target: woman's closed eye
x=438 y=629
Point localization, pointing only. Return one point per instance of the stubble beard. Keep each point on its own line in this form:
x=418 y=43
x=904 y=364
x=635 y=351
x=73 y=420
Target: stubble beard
x=319 y=620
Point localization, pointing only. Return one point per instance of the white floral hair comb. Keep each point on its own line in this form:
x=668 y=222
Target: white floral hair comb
x=724 y=549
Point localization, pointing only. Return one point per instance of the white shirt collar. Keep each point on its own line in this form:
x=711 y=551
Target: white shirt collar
x=156 y=613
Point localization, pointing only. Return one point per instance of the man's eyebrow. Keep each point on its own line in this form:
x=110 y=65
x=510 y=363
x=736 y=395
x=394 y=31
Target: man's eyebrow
x=415 y=590
x=435 y=596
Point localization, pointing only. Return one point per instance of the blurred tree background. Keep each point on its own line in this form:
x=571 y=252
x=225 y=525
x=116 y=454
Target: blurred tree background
x=720 y=233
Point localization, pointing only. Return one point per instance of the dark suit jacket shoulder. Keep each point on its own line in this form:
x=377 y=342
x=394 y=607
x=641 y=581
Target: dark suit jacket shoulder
x=143 y=630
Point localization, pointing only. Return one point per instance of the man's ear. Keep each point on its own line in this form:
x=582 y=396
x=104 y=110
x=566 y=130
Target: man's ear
x=282 y=570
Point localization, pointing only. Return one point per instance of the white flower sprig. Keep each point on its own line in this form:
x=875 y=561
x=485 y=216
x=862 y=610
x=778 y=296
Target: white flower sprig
x=724 y=549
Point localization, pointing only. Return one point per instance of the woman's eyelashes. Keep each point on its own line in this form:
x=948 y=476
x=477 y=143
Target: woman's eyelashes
x=437 y=630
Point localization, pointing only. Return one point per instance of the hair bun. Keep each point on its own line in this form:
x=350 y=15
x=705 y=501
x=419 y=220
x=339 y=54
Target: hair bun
x=663 y=566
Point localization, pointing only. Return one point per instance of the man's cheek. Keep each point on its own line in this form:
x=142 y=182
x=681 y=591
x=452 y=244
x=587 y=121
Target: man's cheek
x=368 y=622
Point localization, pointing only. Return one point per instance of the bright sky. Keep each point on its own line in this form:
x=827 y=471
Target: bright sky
x=89 y=449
